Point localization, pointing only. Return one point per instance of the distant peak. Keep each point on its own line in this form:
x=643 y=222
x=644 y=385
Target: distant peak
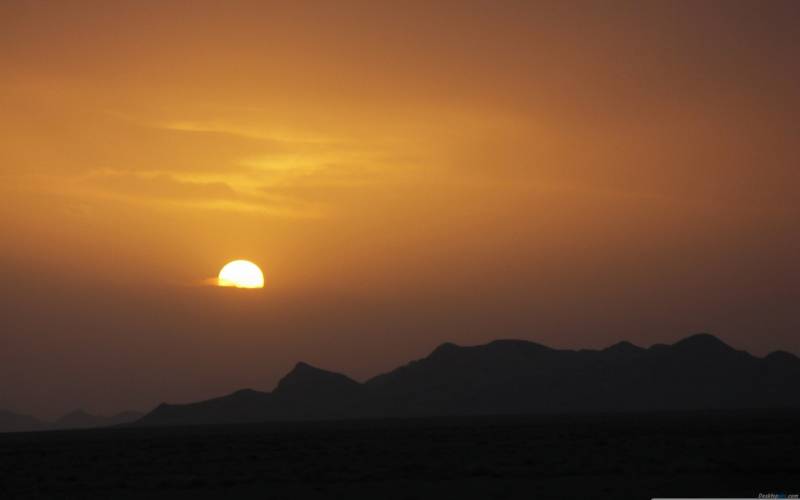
x=623 y=347
x=495 y=346
x=704 y=342
x=517 y=346
x=306 y=377
x=303 y=369
x=445 y=348
x=75 y=414
x=781 y=356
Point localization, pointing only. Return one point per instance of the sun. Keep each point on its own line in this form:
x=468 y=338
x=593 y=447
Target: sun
x=241 y=274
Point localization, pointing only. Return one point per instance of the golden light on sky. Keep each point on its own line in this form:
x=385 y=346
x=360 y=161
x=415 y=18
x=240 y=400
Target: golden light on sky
x=412 y=172
x=241 y=274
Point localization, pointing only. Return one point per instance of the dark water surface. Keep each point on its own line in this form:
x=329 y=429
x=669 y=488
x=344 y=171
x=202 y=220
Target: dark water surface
x=610 y=457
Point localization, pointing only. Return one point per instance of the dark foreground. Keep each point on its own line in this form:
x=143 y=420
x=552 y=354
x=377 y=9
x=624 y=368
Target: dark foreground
x=608 y=457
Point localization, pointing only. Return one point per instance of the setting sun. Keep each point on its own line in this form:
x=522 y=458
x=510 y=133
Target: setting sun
x=241 y=274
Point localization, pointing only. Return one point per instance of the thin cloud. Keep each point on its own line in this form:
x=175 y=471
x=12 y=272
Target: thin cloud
x=261 y=134
x=163 y=186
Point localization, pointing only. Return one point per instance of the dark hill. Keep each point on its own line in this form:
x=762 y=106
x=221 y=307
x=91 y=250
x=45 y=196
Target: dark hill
x=306 y=381
x=513 y=376
x=79 y=419
x=14 y=422
x=623 y=348
x=246 y=405
x=309 y=392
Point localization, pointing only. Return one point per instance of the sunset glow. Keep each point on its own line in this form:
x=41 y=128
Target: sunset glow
x=406 y=174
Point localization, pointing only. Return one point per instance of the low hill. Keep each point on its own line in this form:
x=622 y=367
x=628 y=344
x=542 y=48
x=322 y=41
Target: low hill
x=79 y=419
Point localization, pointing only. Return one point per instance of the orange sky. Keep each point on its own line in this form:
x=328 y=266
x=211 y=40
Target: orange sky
x=405 y=174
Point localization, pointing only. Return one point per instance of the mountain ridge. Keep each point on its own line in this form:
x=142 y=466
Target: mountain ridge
x=507 y=376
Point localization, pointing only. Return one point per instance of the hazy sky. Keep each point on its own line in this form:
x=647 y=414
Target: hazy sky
x=405 y=173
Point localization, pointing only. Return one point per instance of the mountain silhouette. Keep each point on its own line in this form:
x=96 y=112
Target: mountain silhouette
x=699 y=372
x=304 y=393
x=309 y=392
x=305 y=380
x=14 y=422
x=78 y=419
x=623 y=348
x=242 y=406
